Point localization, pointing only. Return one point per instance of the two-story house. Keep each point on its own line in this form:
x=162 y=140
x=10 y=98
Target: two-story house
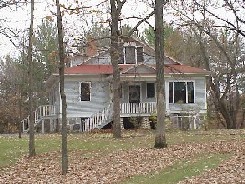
x=88 y=88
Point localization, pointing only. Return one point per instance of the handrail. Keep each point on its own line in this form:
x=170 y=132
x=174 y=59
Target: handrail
x=138 y=108
x=41 y=112
x=97 y=119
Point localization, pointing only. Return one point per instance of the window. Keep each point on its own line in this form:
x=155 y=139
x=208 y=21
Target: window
x=150 y=90
x=171 y=92
x=134 y=94
x=85 y=91
x=140 y=57
x=181 y=92
x=132 y=55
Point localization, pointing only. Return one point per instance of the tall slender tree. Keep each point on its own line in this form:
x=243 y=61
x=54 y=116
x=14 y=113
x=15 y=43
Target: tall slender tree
x=116 y=7
x=160 y=140
x=62 y=89
x=32 y=151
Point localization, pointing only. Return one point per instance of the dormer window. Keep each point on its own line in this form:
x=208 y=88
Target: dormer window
x=129 y=55
x=132 y=55
x=140 y=57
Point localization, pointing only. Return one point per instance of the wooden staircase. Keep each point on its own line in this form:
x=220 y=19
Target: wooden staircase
x=95 y=121
x=41 y=113
x=98 y=120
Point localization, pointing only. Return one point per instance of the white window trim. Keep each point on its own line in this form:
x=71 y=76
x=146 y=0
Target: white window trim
x=185 y=90
x=154 y=89
x=90 y=87
x=135 y=50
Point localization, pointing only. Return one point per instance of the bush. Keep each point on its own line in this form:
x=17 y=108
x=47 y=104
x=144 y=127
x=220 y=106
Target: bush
x=153 y=122
x=136 y=121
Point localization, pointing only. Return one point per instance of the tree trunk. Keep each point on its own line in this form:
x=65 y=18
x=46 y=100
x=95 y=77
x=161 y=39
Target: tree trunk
x=228 y=114
x=32 y=151
x=62 y=90
x=160 y=140
x=242 y=122
x=20 y=112
x=115 y=57
x=227 y=108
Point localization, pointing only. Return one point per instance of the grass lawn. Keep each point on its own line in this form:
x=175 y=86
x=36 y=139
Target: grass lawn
x=12 y=148
x=181 y=170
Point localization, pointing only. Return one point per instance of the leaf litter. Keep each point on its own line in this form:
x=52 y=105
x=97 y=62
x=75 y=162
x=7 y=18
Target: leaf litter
x=119 y=165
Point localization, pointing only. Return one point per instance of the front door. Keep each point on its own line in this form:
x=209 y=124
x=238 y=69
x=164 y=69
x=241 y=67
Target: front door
x=134 y=94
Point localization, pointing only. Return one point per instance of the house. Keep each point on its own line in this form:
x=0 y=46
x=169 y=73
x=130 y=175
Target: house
x=88 y=88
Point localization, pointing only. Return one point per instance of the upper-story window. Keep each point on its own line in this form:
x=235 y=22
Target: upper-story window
x=140 y=57
x=181 y=92
x=85 y=91
x=132 y=55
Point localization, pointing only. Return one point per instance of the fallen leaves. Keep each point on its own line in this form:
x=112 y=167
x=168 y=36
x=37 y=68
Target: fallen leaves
x=116 y=166
x=231 y=171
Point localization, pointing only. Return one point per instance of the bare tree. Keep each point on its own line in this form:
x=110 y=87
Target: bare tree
x=160 y=140
x=219 y=41
x=116 y=7
x=62 y=91
x=32 y=151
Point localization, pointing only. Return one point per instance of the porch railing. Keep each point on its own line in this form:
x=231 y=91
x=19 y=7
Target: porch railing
x=40 y=113
x=98 y=120
x=138 y=108
x=44 y=111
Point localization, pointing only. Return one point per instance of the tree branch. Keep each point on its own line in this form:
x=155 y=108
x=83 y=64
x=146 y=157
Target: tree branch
x=139 y=23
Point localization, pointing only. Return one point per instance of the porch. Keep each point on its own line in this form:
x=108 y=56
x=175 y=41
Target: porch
x=96 y=120
x=137 y=109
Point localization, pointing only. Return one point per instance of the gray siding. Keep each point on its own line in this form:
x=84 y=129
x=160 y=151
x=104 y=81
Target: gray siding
x=99 y=98
x=199 y=104
x=105 y=59
x=101 y=60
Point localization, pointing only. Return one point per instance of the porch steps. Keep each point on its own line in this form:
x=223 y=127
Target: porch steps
x=96 y=121
x=41 y=113
x=99 y=119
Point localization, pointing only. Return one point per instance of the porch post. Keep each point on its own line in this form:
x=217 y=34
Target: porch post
x=42 y=126
x=23 y=125
x=51 y=125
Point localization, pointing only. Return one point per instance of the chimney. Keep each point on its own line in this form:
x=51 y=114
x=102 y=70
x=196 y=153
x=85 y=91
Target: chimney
x=91 y=49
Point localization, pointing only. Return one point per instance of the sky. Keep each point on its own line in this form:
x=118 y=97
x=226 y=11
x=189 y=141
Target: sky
x=19 y=19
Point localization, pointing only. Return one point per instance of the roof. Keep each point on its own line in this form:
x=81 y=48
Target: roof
x=93 y=69
x=184 y=69
x=126 y=68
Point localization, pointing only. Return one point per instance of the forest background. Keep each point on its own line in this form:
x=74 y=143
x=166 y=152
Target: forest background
x=206 y=34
